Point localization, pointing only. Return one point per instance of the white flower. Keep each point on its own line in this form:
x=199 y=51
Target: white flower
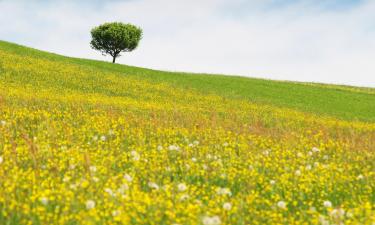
x=123 y=188
x=225 y=144
x=109 y=191
x=2 y=122
x=184 y=197
x=191 y=145
x=327 y=204
x=310 y=153
x=93 y=169
x=360 y=177
x=315 y=149
x=44 y=200
x=128 y=178
x=153 y=185
x=135 y=155
x=266 y=152
x=66 y=179
x=299 y=154
x=337 y=214
x=281 y=204
x=298 y=173
x=213 y=220
x=1 y=159
x=174 y=148
x=308 y=167
x=160 y=148
x=90 y=204
x=95 y=138
x=103 y=138
x=223 y=191
x=272 y=182
x=227 y=206
x=116 y=213
x=182 y=187
x=323 y=220
x=194 y=159
x=196 y=142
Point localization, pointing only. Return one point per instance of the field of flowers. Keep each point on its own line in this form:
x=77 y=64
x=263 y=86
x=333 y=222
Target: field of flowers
x=79 y=146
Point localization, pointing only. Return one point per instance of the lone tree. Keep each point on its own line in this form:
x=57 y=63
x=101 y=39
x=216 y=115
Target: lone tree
x=114 y=38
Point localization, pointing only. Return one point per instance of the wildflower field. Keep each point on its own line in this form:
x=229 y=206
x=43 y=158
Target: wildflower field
x=85 y=143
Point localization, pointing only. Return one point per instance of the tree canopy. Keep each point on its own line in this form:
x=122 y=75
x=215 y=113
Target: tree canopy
x=114 y=38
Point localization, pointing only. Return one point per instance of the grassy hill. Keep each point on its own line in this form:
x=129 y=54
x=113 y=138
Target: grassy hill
x=89 y=142
x=344 y=102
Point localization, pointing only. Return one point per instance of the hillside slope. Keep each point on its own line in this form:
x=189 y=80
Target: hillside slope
x=88 y=142
x=344 y=102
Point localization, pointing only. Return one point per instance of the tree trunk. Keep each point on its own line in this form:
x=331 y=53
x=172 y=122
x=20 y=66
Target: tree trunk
x=114 y=59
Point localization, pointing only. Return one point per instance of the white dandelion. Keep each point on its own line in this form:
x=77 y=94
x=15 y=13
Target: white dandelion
x=211 y=220
x=327 y=204
x=223 y=191
x=174 y=148
x=116 y=213
x=109 y=191
x=93 y=169
x=337 y=214
x=315 y=149
x=153 y=185
x=182 y=187
x=135 y=155
x=227 y=206
x=184 y=197
x=44 y=200
x=90 y=204
x=121 y=190
x=128 y=178
x=281 y=204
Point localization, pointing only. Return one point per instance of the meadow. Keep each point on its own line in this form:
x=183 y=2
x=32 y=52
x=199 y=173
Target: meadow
x=88 y=142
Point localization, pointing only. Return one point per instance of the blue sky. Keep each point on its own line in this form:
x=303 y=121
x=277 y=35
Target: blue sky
x=330 y=41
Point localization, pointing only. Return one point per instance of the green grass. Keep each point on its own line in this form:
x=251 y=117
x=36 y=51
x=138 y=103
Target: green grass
x=344 y=102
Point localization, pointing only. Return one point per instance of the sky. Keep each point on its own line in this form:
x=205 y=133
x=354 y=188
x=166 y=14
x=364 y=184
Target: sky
x=326 y=41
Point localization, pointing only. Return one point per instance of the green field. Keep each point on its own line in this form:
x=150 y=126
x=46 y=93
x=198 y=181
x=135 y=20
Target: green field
x=89 y=142
x=344 y=102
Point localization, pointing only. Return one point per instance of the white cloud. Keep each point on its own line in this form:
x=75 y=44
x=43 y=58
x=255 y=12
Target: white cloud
x=301 y=40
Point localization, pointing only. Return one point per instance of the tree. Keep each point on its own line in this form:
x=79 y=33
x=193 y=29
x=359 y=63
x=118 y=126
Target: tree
x=114 y=38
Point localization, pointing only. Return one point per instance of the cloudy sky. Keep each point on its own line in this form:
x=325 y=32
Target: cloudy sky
x=330 y=41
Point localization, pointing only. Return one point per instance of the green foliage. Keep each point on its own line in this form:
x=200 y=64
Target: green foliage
x=114 y=38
